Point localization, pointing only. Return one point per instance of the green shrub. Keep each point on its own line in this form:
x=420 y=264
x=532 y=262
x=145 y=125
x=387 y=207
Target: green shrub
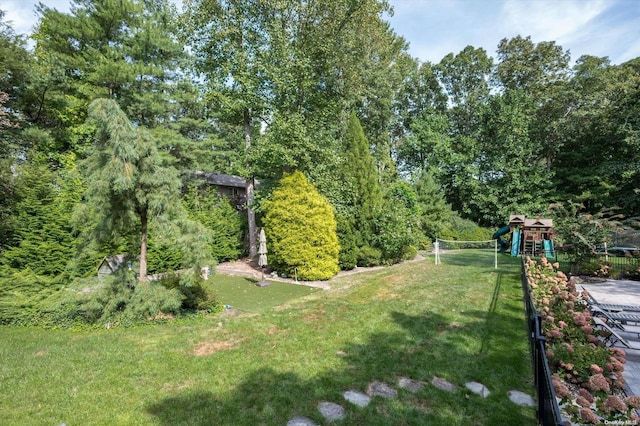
x=301 y=230
x=195 y=296
x=396 y=226
x=347 y=258
x=460 y=229
x=368 y=256
x=217 y=214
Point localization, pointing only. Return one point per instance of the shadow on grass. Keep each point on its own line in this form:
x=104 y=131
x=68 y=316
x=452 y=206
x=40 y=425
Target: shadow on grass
x=490 y=348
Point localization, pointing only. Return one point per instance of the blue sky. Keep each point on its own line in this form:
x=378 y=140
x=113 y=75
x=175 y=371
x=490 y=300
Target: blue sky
x=435 y=28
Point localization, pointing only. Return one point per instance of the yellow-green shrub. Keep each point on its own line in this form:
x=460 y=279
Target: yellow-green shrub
x=301 y=230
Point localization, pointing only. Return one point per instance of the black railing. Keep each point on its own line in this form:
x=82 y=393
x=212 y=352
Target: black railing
x=548 y=411
x=621 y=265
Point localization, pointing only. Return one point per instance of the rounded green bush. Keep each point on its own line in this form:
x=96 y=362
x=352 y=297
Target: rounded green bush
x=300 y=227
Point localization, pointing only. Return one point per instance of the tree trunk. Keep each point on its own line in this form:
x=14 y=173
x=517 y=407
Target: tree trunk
x=143 y=246
x=251 y=214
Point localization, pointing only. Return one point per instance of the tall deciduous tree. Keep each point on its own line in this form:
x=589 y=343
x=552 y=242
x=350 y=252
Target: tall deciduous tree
x=465 y=79
x=284 y=63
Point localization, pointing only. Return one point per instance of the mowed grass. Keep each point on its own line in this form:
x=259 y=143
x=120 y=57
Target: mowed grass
x=461 y=322
x=243 y=294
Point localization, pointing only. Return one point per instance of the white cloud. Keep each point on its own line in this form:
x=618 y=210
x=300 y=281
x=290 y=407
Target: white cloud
x=22 y=15
x=549 y=20
x=596 y=27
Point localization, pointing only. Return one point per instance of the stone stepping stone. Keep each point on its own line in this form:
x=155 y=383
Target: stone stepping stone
x=521 y=398
x=381 y=389
x=478 y=388
x=331 y=411
x=357 y=398
x=410 y=384
x=441 y=383
x=301 y=421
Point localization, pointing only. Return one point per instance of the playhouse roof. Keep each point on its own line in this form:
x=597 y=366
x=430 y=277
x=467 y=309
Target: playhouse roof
x=516 y=218
x=538 y=223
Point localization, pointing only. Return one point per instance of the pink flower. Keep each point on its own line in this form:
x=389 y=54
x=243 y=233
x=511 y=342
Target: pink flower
x=588 y=416
x=596 y=368
x=556 y=334
x=633 y=401
x=592 y=340
x=614 y=403
x=587 y=329
x=550 y=354
x=585 y=394
x=598 y=382
x=562 y=391
x=569 y=347
x=562 y=324
x=583 y=402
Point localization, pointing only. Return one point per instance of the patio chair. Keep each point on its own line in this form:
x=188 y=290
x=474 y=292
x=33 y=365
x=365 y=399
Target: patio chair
x=609 y=336
x=612 y=307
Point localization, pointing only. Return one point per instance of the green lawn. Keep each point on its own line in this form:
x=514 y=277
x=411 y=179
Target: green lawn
x=417 y=320
x=243 y=294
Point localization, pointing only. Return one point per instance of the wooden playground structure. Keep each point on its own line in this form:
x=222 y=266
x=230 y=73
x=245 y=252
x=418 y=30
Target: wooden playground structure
x=532 y=237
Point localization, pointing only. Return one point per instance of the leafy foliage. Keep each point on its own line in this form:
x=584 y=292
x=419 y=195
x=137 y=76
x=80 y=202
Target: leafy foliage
x=301 y=230
x=579 y=232
x=218 y=215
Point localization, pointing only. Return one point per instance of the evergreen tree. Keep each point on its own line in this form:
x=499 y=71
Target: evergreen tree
x=433 y=210
x=301 y=230
x=217 y=214
x=119 y=49
x=360 y=174
x=129 y=185
x=43 y=239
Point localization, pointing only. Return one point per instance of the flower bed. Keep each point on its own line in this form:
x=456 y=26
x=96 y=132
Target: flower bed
x=587 y=376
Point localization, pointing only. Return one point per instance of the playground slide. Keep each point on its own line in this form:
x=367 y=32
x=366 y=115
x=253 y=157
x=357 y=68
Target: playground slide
x=549 y=252
x=515 y=243
x=499 y=233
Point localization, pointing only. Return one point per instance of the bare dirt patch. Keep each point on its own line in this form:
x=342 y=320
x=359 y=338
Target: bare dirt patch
x=209 y=348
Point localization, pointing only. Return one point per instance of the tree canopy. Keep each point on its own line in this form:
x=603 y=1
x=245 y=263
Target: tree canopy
x=127 y=98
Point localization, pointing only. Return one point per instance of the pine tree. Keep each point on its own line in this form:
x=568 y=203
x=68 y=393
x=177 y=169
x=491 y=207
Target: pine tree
x=434 y=212
x=301 y=230
x=129 y=184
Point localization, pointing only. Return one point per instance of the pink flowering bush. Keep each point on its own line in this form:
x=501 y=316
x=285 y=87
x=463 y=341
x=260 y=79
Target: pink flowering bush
x=587 y=376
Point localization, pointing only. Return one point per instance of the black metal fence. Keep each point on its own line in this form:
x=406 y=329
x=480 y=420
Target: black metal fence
x=618 y=263
x=548 y=410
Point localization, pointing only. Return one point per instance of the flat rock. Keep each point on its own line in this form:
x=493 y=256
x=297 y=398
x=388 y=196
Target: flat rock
x=441 y=383
x=521 y=398
x=381 y=389
x=478 y=388
x=301 y=421
x=331 y=411
x=358 y=398
x=410 y=384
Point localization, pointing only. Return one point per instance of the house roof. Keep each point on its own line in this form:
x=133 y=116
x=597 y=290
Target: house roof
x=113 y=262
x=222 y=179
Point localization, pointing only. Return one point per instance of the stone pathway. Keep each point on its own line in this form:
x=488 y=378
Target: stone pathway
x=332 y=411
